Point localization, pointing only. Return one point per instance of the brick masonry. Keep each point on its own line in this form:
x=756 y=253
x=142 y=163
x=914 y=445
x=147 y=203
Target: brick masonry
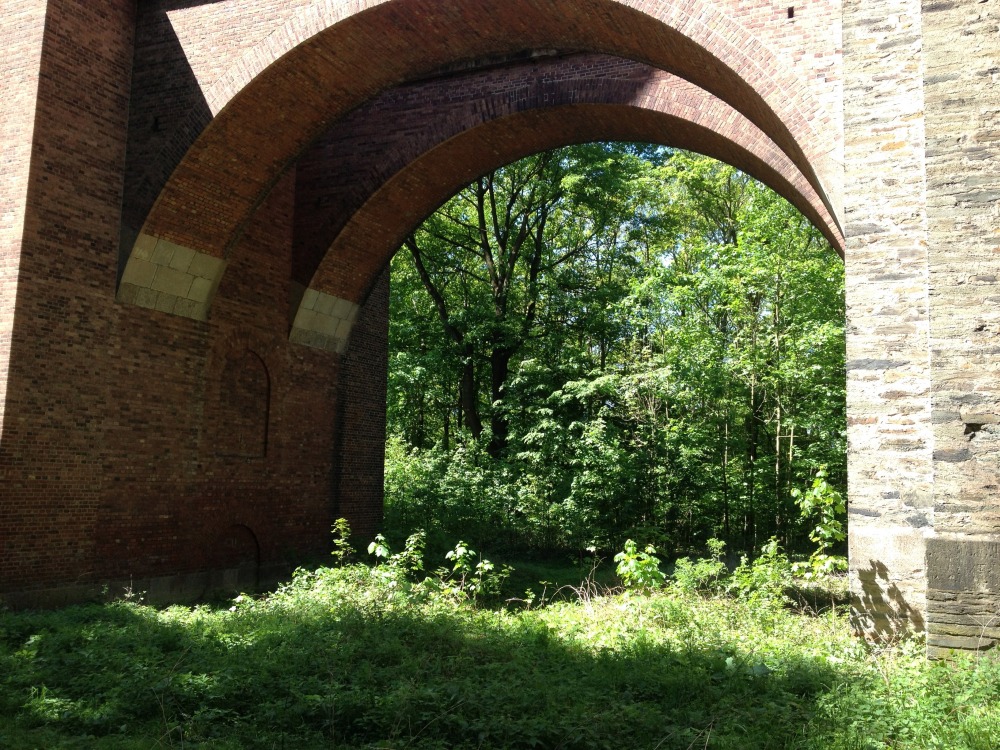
x=198 y=201
x=389 y=163
x=21 y=37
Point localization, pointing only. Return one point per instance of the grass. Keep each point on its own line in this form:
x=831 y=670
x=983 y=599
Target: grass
x=359 y=658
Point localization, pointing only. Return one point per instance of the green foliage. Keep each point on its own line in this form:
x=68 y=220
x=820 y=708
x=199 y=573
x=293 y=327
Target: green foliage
x=340 y=658
x=399 y=568
x=471 y=577
x=458 y=493
x=642 y=343
x=704 y=574
x=764 y=581
x=343 y=550
x=639 y=569
x=824 y=505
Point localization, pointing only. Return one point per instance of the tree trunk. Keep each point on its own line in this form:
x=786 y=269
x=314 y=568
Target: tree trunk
x=467 y=393
x=499 y=369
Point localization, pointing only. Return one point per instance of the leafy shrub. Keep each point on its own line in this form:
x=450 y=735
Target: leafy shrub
x=704 y=574
x=343 y=551
x=826 y=505
x=763 y=581
x=399 y=567
x=470 y=577
x=639 y=570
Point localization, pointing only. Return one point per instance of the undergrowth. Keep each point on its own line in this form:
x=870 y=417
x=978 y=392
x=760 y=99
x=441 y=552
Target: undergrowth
x=392 y=657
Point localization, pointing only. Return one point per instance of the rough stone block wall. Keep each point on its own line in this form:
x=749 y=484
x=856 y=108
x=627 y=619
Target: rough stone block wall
x=888 y=373
x=962 y=98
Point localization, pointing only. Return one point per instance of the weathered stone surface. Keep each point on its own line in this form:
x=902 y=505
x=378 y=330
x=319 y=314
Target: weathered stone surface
x=888 y=378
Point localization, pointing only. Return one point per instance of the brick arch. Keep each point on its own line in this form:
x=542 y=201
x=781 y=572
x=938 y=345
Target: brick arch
x=375 y=231
x=367 y=147
x=283 y=93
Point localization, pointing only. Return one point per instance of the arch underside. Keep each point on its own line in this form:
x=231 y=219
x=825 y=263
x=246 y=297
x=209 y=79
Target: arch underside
x=339 y=250
x=375 y=155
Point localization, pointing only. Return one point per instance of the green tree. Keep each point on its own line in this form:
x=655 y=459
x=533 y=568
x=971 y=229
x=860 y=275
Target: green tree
x=648 y=343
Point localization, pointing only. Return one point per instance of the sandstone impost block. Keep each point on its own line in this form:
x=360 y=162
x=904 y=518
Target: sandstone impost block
x=323 y=321
x=164 y=276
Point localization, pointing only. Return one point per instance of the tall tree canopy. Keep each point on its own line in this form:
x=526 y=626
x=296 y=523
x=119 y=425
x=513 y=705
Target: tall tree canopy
x=614 y=340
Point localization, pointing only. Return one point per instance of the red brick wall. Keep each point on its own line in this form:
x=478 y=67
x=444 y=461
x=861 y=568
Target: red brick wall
x=109 y=457
x=191 y=487
x=359 y=456
x=21 y=40
x=57 y=393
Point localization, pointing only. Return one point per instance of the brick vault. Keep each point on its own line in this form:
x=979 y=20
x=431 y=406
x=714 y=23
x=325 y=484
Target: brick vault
x=199 y=199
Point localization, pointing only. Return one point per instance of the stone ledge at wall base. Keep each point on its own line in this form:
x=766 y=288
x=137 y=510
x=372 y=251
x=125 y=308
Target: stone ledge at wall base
x=182 y=588
x=963 y=594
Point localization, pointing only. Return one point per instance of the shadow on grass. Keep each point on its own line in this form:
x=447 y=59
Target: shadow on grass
x=372 y=673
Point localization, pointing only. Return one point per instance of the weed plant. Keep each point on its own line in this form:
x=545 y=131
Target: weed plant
x=387 y=657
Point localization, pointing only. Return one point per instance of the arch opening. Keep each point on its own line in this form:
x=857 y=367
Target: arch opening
x=572 y=414
x=344 y=223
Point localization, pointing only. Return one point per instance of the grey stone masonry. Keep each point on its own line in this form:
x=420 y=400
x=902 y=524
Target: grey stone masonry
x=962 y=102
x=888 y=373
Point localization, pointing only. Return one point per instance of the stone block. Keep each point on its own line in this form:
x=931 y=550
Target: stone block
x=172 y=282
x=201 y=290
x=144 y=247
x=963 y=564
x=162 y=253
x=181 y=258
x=165 y=302
x=206 y=266
x=139 y=273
